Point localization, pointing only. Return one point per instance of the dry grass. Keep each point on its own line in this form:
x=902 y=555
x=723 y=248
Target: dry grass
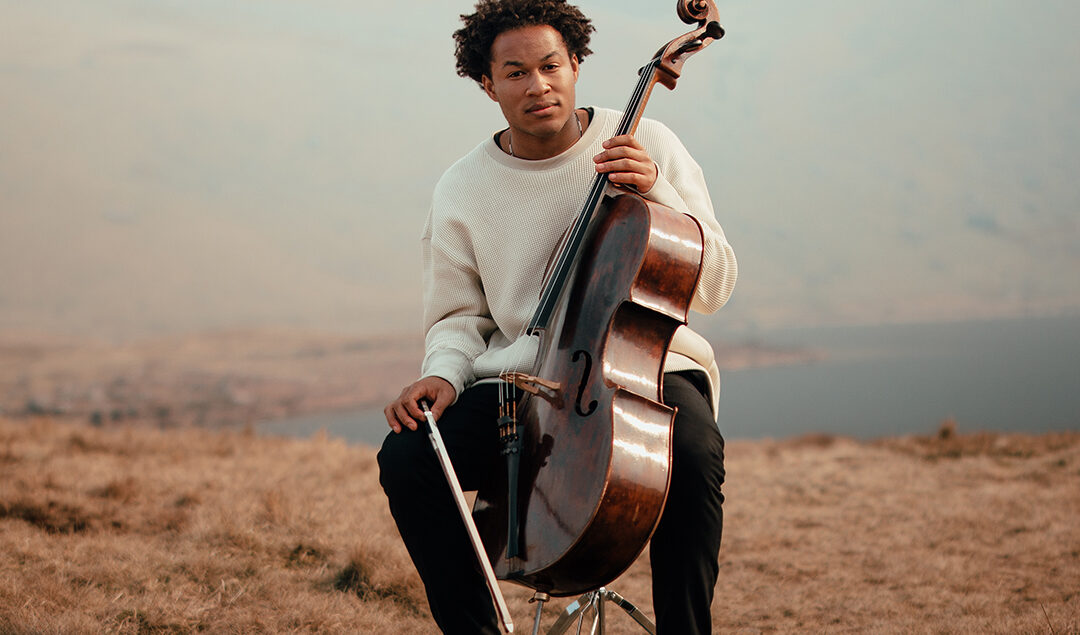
x=921 y=535
x=135 y=530
x=143 y=531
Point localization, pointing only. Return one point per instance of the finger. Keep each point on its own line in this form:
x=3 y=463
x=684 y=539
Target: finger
x=442 y=402
x=412 y=405
x=403 y=416
x=628 y=172
x=626 y=165
x=391 y=419
x=637 y=181
x=623 y=153
x=642 y=181
x=624 y=140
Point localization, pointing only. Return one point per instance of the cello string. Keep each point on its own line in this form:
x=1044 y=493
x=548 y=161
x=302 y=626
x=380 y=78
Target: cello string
x=571 y=245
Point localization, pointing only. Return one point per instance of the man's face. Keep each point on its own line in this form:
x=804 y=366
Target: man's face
x=532 y=78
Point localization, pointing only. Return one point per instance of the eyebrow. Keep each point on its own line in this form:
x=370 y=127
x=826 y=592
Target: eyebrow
x=542 y=59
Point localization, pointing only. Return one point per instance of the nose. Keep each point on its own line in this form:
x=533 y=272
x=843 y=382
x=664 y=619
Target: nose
x=538 y=84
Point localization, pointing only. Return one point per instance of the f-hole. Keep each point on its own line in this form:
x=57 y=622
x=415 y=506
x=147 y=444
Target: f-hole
x=584 y=381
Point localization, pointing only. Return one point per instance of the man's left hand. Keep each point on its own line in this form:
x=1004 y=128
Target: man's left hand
x=627 y=163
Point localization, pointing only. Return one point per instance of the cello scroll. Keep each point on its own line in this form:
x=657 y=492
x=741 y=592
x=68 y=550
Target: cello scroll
x=673 y=54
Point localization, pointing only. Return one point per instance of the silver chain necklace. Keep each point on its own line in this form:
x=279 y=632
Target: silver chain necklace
x=510 y=135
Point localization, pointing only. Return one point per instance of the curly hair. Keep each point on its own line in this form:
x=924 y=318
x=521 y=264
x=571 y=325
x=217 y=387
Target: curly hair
x=492 y=17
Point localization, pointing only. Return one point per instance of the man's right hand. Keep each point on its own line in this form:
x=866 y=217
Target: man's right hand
x=405 y=410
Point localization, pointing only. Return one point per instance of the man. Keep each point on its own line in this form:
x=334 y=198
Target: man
x=496 y=217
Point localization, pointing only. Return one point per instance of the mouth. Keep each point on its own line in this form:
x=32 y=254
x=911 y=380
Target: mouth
x=541 y=109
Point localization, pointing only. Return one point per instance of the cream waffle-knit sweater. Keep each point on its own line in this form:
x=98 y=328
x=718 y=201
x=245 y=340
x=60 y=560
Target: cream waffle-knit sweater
x=495 y=221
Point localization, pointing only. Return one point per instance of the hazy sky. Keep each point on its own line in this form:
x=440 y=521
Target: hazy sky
x=178 y=164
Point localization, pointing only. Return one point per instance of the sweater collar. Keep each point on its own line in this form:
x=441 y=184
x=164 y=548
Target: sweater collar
x=600 y=117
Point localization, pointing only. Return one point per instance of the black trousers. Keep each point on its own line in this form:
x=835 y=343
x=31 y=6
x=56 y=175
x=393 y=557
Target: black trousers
x=683 y=551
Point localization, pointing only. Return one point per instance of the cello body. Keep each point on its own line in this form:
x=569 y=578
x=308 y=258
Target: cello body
x=596 y=460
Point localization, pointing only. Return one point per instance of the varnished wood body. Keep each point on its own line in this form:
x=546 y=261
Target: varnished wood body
x=596 y=460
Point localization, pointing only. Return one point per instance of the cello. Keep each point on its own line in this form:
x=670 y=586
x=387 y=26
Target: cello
x=587 y=445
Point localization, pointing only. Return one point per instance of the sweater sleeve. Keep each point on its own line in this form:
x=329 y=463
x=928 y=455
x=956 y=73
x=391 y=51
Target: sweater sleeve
x=457 y=320
x=680 y=185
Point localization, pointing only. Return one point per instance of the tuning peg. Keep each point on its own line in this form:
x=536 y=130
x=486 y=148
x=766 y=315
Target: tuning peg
x=714 y=30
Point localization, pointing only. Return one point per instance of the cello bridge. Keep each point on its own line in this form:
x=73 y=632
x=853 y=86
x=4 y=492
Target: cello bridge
x=530 y=383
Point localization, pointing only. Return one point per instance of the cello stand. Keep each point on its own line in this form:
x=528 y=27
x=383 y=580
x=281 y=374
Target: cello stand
x=593 y=600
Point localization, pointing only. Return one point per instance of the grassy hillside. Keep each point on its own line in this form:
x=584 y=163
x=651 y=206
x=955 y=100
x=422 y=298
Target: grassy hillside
x=138 y=530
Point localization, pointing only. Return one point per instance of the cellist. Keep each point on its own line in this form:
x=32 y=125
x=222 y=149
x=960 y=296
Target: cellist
x=496 y=216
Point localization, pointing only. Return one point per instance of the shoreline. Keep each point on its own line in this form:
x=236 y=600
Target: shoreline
x=230 y=378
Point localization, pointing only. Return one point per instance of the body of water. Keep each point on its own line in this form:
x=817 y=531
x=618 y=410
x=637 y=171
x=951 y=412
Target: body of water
x=1005 y=375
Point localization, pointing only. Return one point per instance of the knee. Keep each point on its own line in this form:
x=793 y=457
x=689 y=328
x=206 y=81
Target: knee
x=400 y=458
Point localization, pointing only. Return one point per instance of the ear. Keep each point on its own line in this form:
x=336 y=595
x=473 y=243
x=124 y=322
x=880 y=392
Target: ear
x=574 y=65
x=489 y=87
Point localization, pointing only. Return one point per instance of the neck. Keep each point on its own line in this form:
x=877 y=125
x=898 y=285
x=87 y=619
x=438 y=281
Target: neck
x=522 y=145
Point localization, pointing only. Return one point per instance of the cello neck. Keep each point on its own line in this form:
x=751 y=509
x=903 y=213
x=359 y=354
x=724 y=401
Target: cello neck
x=665 y=68
x=567 y=257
